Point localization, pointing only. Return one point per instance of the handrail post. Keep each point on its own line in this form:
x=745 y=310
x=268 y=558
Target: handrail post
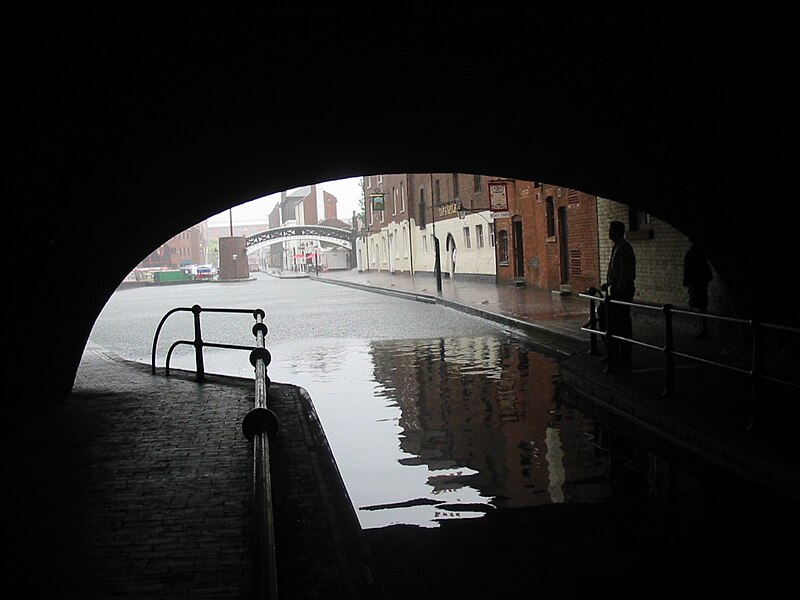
x=592 y=325
x=669 y=358
x=610 y=345
x=755 y=375
x=198 y=344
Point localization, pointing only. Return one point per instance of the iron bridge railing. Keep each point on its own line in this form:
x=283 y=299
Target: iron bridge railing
x=755 y=371
x=259 y=425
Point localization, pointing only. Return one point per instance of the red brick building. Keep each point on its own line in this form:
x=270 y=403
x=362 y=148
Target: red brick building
x=190 y=247
x=549 y=239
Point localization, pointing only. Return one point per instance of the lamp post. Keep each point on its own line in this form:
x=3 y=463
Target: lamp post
x=462 y=211
x=437 y=265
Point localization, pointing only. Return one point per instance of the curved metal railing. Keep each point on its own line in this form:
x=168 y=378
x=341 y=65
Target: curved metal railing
x=197 y=342
x=258 y=426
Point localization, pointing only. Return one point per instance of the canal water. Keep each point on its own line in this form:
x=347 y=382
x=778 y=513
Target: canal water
x=440 y=421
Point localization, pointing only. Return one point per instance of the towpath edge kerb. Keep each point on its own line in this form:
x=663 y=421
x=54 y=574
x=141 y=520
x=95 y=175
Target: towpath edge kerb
x=558 y=342
x=430 y=299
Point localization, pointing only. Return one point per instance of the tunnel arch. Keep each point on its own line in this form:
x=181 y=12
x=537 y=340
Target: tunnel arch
x=166 y=122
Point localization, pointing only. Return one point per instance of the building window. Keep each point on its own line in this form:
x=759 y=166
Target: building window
x=502 y=243
x=455 y=186
x=394 y=201
x=424 y=244
x=637 y=218
x=467 y=240
x=479 y=236
x=402 y=198
x=550 y=216
x=476 y=183
x=422 y=215
x=437 y=192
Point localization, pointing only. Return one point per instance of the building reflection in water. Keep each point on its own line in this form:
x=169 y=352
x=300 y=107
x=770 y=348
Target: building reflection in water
x=481 y=414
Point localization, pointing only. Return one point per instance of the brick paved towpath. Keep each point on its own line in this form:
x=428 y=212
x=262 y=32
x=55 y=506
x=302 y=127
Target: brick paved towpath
x=139 y=486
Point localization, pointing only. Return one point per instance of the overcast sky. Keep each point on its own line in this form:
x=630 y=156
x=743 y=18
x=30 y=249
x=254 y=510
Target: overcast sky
x=347 y=192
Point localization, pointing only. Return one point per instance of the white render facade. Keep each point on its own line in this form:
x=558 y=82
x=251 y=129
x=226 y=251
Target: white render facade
x=398 y=244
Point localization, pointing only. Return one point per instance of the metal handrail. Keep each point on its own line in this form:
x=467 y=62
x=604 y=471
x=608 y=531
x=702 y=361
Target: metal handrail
x=258 y=425
x=755 y=372
x=197 y=342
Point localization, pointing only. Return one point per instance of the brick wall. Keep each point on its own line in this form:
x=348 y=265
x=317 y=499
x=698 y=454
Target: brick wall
x=544 y=251
x=659 y=249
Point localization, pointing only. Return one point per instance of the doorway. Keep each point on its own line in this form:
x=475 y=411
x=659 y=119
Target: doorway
x=519 y=254
x=451 y=255
x=563 y=245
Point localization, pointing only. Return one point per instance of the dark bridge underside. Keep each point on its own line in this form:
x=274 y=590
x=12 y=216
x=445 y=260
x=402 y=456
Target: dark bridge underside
x=131 y=128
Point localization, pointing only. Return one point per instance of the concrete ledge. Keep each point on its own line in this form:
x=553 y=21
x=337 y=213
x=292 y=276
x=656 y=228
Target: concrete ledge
x=379 y=290
x=737 y=454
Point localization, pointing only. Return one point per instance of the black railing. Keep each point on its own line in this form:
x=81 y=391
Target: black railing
x=755 y=366
x=258 y=426
x=197 y=342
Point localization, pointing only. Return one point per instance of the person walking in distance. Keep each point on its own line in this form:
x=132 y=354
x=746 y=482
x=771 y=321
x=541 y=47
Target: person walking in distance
x=696 y=276
x=619 y=285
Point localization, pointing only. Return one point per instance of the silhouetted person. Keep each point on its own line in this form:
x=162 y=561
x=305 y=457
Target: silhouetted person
x=619 y=285
x=696 y=276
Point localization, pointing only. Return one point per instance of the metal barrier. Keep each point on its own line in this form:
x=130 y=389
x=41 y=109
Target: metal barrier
x=755 y=371
x=258 y=426
x=197 y=342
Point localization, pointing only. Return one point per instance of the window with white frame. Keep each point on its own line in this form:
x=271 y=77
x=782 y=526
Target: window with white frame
x=467 y=240
x=502 y=242
x=479 y=236
x=424 y=244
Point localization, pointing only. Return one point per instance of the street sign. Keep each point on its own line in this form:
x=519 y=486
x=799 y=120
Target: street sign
x=498 y=199
x=377 y=201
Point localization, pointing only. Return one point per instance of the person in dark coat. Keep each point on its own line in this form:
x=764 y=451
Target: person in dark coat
x=696 y=277
x=620 y=286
